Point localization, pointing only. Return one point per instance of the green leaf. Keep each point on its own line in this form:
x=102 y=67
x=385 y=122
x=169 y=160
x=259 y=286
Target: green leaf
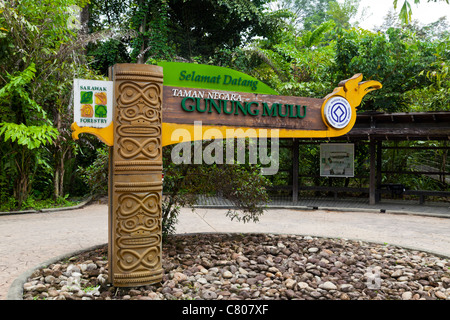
x=405 y=12
x=29 y=136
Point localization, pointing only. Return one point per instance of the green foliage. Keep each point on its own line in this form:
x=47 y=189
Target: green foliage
x=435 y=96
x=107 y=53
x=341 y=13
x=315 y=37
x=242 y=184
x=307 y=15
x=31 y=137
x=192 y=30
x=411 y=63
x=16 y=90
x=397 y=58
x=151 y=20
x=8 y=204
x=300 y=64
x=401 y=158
x=38 y=204
x=406 y=11
x=33 y=203
x=41 y=55
x=95 y=176
x=23 y=141
x=203 y=26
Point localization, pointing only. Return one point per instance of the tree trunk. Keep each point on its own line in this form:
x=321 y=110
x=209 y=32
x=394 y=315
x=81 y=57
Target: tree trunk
x=142 y=27
x=84 y=21
x=59 y=158
x=56 y=183
x=21 y=185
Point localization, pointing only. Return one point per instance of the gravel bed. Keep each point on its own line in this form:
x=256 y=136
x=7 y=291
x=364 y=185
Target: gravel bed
x=257 y=267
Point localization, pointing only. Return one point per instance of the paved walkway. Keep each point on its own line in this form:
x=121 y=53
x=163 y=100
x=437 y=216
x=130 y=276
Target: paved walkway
x=437 y=209
x=27 y=240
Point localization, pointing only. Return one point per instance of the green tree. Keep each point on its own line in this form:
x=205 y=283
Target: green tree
x=342 y=13
x=22 y=135
x=242 y=184
x=397 y=58
x=42 y=54
x=405 y=13
x=297 y=65
x=150 y=20
x=191 y=30
x=435 y=95
x=410 y=61
x=308 y=15
x=202 y=27
x=305 y=14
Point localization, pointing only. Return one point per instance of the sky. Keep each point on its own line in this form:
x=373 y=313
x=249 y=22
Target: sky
x=426 y=12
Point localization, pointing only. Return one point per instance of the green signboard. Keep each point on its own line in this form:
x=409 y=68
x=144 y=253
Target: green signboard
x=201 y=76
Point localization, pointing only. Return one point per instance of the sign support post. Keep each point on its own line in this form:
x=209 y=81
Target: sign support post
x=135 y=230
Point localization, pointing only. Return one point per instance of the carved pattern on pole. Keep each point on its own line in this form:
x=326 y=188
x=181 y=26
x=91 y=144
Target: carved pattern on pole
x=135 y=215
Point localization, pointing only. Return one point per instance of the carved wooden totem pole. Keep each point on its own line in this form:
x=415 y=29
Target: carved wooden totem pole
x=135 y=191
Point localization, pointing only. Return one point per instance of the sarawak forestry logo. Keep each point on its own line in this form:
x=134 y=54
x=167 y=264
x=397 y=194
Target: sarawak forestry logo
x=93 y=103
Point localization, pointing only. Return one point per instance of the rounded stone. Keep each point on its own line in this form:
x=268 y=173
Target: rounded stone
x=227 y=274
x=328 y=286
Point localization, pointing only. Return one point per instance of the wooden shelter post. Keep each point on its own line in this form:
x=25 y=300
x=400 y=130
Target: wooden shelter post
x=379 y=162
x=372 y=180
x=295 y=155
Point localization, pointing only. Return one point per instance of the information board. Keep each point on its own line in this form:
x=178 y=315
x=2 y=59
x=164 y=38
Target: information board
x=337 y=160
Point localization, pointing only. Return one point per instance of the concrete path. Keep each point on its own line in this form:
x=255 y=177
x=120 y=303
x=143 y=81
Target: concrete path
x=27 y=240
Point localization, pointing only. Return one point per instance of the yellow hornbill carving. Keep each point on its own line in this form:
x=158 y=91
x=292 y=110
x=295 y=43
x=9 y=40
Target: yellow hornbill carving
x=353 y=89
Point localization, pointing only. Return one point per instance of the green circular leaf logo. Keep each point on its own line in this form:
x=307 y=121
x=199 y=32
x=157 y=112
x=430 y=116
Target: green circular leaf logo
x=100 y=111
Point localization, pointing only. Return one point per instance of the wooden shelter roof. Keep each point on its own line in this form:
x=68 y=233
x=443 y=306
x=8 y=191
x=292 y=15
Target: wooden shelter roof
x=401 y=126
